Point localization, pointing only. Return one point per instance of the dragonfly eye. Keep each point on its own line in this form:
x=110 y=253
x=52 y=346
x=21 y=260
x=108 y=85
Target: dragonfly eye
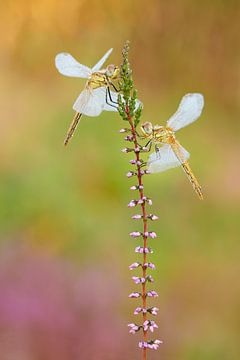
x=112 y=71
x=147 y=128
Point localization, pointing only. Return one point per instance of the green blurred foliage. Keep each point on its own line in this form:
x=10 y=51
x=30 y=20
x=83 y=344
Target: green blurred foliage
x=72 y=202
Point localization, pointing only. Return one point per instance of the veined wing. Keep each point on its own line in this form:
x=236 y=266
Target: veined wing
x=100 y=63
x=91 y=101
x=68 y=66
x=166 y=159
x=189 y=110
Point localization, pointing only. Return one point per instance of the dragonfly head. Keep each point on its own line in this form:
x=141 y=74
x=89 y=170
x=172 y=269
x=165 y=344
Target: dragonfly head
x=112 y=71
x=147 y=129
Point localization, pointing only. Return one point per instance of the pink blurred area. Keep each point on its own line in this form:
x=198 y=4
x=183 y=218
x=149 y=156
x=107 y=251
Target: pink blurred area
x=50 y=309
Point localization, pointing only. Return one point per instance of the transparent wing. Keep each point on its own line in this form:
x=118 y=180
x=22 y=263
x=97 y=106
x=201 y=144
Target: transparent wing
x=189 y=110
x=68 y=66
x=90 y=102
x=166 y=159
x=100 y=63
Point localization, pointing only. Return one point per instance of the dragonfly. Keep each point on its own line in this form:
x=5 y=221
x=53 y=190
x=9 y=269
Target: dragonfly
x=97 y=95
x=168 y=151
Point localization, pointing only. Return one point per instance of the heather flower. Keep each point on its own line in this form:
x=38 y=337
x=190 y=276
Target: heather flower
x=149 y=324
x=132 y=203
x=123 y=130
x=149 y=265
x=139 y=280
x=137 y=217
x=152 y=293
x=149 y=278
x=139 y=310
x=130 y=174
x=152 y=217
x=134 y=328
x=142 y=250
x=135 y=234
x=154 y=344
x=133 y=266
x=134 y=295
x=153 y=310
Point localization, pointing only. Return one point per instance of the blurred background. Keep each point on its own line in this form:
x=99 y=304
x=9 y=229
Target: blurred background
x=64 y=221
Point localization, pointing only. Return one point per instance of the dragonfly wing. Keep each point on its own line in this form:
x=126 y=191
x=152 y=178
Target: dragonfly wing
x=166 y=159
x=68 y=66
x=100 y=63
x=88 y=103
x=189 y=110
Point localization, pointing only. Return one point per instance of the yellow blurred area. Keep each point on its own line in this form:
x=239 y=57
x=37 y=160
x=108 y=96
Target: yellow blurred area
x=71 y=204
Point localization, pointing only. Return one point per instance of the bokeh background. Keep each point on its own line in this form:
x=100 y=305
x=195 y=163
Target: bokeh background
x=65 y=248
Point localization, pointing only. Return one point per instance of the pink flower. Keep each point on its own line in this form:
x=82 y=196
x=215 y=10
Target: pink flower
x=152 y=234
x=153 y=310
x=136 y=217
x=152 y=217
x=134 y=295
x=143 y=345
x=135 y=234
x=139 y=280
x=130 y=174
x=149 y=324
x=152 y=293
x=134 y=328
x=133 y=162
x=141 y=250
x=154 y=344
x=123 y=130
x=134 y=187
x=149 y=278
x=139 y=309
x=134 y=265
x=132 y=203
x=149 y=265
x=128 y=138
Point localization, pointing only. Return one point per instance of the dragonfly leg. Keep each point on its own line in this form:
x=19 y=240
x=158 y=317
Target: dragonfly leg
x=117 y=90
x=108 y=94
x=148 y=146
x=110 y=97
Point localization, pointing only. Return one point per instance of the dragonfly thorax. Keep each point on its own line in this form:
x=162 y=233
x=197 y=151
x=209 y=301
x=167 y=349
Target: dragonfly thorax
x=157 y=133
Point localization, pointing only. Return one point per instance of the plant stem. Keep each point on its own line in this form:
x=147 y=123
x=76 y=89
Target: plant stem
x=144 y=217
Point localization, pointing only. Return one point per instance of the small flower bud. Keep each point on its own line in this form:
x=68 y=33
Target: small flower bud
x=134 y=265
x=137 y=217
x=139 y=280
x=135 y=234
x=134 y=295
x=128 y=138
x=130 y=174
x=149 y=265
x=149 y=278
x=149 y=324
x=142 y=250
x=134 y=328
x=153 y=310
x=132 y=203
x=152 y=293
x=152 y=234
x=134 y=187
x=152 y=217
x=123 y=130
